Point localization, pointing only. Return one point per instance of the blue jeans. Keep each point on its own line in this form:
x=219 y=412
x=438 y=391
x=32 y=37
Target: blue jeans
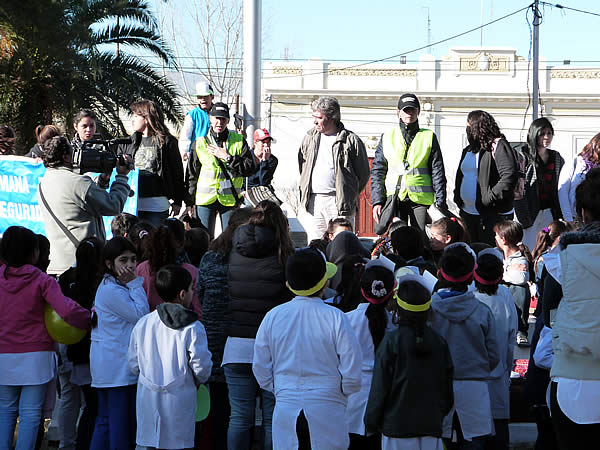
x=208 y=215
x=116 y=422
x=153 y=218
x=243 y=389
x=25 y=402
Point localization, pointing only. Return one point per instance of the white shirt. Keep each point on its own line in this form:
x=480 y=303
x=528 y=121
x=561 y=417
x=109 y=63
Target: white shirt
x=323 y=174
x=571 y=176
x=238 y=350
x=468 y=187
x=472 y=404
x=170 y=363
x=357 y=402
x=307 y=354
x=579 y=400
x=27 y=369
x=118 y=309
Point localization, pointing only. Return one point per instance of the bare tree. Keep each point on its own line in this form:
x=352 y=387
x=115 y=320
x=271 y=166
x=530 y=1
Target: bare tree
x=206 y=36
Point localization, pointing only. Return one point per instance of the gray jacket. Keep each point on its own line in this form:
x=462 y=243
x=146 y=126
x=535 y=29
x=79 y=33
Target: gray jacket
x=469 y=328
x=80 y=204
x=350 y=165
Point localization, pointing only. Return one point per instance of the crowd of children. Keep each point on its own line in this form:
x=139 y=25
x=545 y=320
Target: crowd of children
x=407 y=345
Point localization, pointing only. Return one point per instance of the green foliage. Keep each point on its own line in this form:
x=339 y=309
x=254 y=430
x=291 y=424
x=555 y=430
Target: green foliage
x=57 y=56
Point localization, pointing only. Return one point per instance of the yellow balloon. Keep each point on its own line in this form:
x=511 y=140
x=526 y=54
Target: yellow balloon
x=59 y=330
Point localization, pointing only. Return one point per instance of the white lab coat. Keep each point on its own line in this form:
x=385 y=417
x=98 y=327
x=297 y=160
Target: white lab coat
x=357 y=402
x=171 y=363
x=307 y=354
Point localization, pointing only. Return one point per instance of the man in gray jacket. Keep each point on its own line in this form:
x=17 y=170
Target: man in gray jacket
x=334 y=168
x=75 y=203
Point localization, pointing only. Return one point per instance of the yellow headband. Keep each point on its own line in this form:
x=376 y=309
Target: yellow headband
x=412 y=308
x=330 y=271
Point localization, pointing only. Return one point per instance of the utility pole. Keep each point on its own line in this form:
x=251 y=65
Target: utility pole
x=252 y=60
x=270 y=109
x=536 y=58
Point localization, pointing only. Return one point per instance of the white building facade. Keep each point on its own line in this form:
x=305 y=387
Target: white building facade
x=493 y=79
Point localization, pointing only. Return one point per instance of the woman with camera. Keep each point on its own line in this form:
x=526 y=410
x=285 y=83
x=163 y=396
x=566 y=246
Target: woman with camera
x=155 y=153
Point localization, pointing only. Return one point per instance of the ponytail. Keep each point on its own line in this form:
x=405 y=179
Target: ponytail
x=377 y=316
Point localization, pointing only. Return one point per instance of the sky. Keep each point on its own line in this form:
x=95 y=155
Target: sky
x=374 y=29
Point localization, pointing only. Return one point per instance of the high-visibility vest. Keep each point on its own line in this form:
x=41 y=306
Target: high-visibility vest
x=212 y=183
x=416 y=181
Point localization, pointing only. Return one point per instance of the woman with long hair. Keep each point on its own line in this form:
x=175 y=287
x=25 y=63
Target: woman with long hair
x=257 y=283
x=574 y=174
x=539 y=206
x=155 y=153
x=213 y=293
x=486 y=177
x=42 y=134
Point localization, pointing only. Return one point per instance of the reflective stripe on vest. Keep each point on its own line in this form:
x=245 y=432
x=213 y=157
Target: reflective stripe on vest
x=416 y=182
x=212 y=183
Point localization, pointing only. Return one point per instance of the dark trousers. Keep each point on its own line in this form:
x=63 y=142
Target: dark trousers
x=481 y=228
x=501 y=440
x=219 y=414
x=413 y=213
x=116 y=422
x=546 y=439
x=571 y=435
x=85 y=429
x=358 y=442
x=477 y=443
x=303 y=432
x=522 y=299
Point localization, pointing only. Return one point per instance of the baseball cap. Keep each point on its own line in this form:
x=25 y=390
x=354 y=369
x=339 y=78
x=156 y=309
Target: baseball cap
x=408 y=101
x=203 y=88
x=220 y=109
x=261 y=134
x=307 y=271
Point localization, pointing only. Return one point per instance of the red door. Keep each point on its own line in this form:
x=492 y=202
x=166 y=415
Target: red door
x=364 y=216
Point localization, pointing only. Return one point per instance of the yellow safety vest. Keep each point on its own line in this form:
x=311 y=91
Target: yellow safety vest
x=416 y=181
x=212 y=184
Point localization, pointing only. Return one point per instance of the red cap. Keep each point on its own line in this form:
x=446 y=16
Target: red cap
x=261 y=134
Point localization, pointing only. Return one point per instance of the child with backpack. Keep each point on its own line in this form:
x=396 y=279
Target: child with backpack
x=169 y=350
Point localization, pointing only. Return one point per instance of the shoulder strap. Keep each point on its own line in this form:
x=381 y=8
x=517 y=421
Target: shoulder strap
x=64 y=229
x=223 y=167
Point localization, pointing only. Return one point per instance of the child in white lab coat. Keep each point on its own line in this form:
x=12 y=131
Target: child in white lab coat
x=307 y=355
x=169 y=351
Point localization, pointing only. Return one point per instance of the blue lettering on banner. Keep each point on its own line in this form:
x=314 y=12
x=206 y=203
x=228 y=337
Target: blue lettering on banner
x=19 y=179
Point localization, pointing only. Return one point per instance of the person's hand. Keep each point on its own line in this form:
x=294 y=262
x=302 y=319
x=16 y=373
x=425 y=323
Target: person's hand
x=125 y=275
x=184 y=156
x=266 y=154
x=217 y=152
x=175 y=210
x=376 y=213
x=190 y=211
x=124 y=169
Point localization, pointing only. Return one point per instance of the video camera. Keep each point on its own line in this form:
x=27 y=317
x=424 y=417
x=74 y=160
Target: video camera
x=98 y=155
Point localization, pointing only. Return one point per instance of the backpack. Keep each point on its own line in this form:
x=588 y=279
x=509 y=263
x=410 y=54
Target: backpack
x=521 y=166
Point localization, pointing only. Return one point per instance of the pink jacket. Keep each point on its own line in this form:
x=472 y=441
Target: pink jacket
x=143 y=270
x=24 y=292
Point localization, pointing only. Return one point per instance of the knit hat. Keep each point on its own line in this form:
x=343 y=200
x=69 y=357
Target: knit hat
x=404 y=274
x=377 y=283
x=307 y=271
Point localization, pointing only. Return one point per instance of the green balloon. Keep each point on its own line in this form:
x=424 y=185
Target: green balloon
x=59 y=330
x=202 y=403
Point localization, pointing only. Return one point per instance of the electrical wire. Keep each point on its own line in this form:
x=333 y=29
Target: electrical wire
x=559 y=6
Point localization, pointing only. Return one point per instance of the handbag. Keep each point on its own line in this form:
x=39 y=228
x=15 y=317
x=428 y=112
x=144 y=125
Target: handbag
x=389 y=211
x=257 y=194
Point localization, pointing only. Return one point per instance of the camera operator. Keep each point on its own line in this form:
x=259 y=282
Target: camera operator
x=73 y=205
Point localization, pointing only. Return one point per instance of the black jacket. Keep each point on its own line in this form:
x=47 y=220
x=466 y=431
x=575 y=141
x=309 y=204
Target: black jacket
x=410 y=393
x=380 y=167
x=264 y=173
x=240 y=166
x=256 y=279
x=496 y=179
x=528 y=207
x=169 y=180
x=35 y=152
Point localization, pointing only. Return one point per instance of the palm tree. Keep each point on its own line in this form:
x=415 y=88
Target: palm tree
x=57 y=56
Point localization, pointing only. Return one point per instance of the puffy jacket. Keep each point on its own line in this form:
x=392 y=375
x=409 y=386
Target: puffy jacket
x=168 y=181
x=24 y=292
x=575 y=334
x=497 y=177
x=468 y=327
x=350 y=165
x=256 y=279
x=379 y=170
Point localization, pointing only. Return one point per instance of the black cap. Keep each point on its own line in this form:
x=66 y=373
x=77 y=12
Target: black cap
x=307 y=271
x=220 y=109
x=408 y=101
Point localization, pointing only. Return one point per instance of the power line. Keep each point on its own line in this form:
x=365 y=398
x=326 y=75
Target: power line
x=559 y=6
